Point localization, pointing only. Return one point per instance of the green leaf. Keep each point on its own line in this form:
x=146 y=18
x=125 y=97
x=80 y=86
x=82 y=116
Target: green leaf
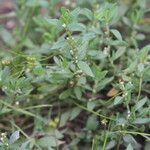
x=91 y=105
x=102 y=84
x=48 y=141
x=129 y=139
x=118 y=100
x=140 y=103
x=4 y=110
x=111 y=144
x=77 y=27
x=24 y=145
x=117 y=34
x=66 y=16
x=7 y=38
x=65 y=94
x=64 y=118
x=14 y=137
x=38 y=70
x=131 y=67
x=143 y=54
x=119 y=53
x=92 y=123
x=35 y=3
x=78 y=92
x=85 y=68
x=59 y=44
x=74 y=14
x=142 y=121
x=88 y=13
x=46 y=22
x=74 y=113
x=129 y=147
x=107 y=13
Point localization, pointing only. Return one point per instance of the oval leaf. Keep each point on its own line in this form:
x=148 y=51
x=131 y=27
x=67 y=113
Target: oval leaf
x=85 y=68
x=14 y=137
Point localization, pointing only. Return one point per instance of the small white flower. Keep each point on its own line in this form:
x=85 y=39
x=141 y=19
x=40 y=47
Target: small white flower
x=125 y=94
x=2 y=139
x=71 y=52
x=122 y=82
x=64 y=25
x=105 y=51
x=4 y=88
x=123 y=125
x=79 y=71
x=3 y=134
x=17 y=103
x=67 y=2
x=76 y=57
x=19 y=91
x=128 y=116
x=28 y=70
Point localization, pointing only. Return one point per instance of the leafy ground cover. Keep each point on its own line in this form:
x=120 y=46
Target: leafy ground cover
x=75 y=75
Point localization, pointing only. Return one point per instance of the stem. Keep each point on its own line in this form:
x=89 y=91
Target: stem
x=105 y=141
x=133 y=132
x=108 y=47
x=93 y=144
x=118 y=145
x=20 y=110
x=140 y=87
x=37 y=106
x=96 y=113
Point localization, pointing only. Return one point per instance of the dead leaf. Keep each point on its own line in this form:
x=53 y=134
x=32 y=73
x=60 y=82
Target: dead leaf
x=112 y=92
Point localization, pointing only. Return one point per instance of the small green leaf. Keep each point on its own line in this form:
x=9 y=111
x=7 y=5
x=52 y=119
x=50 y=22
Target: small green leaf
x=24 y=145
x=7 y=38
x=47 y=141
x=129 y=139
x=77 y=27
x=85 y=68
x=104 y=82
x=59 y=44
x=129 y=147
x=119 y=53
x=117 y=34
x=65 y=94
x=91 y=105
x=143 y=54
x=74 y=113
x=92 y=123
x=140 y=103
x=64 y=118
x=118 y=100
x=142 y=120
x=131 y=67
x=78 y=93
x=88 y=13
x=38 y=70
x=14 y=137
x=111 y=144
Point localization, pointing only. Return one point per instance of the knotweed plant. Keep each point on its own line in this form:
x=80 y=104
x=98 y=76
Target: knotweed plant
x=75 y=75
